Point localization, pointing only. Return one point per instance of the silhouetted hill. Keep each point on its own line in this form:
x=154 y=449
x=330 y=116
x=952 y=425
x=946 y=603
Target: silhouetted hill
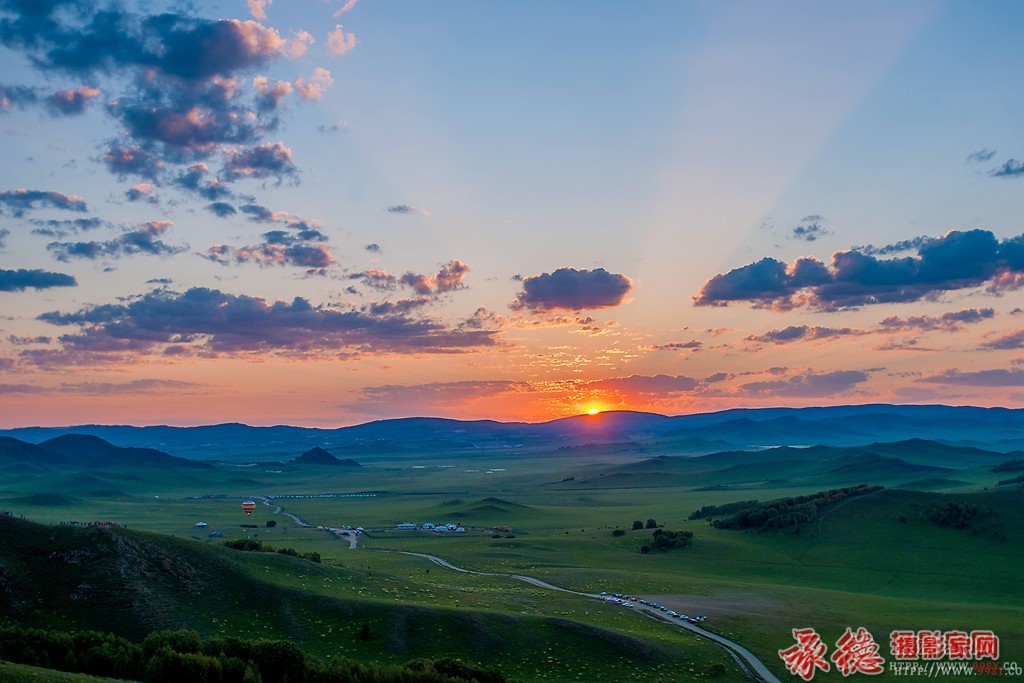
x=318 y=456
x=988 y=428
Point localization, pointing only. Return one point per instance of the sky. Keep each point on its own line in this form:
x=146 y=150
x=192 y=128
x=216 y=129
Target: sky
x=326 y=212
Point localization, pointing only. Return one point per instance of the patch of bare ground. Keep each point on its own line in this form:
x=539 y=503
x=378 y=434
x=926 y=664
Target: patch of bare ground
x=721 y=604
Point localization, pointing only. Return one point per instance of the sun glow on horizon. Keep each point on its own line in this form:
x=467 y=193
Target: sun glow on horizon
x=593 y=411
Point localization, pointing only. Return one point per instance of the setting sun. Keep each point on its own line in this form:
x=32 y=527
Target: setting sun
x=593 y=411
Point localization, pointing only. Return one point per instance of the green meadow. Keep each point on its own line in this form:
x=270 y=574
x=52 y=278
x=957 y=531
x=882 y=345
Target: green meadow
x=876 y=561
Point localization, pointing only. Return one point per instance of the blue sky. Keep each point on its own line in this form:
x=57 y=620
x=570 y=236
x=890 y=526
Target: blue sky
x=509 y=210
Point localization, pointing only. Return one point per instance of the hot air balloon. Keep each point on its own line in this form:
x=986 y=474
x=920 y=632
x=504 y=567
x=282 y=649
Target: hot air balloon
x=248 y=506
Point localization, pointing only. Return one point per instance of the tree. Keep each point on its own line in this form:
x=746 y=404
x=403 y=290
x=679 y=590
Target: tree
x=271 y=523
x=651 y=524
x=637 y=525
x=644 y=550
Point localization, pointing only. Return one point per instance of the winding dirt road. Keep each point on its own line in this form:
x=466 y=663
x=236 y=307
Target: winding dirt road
x=750 y=664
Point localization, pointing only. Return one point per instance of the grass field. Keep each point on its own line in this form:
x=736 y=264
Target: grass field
x=875 y=561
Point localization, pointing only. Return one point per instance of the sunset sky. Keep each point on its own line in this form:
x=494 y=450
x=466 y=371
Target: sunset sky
x=324 y=212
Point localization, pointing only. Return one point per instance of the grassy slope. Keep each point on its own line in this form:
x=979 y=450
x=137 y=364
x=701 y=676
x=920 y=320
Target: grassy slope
x=130 y=582
x=861 y=566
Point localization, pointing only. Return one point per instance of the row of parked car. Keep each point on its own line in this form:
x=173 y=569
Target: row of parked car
x=631 y=600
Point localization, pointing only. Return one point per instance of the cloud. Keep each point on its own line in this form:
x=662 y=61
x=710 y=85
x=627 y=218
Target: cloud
x=693 y=344
x=980 y=378
x=899 y=247
x=21 y=200
x=19 y=96
x=643 y=384
x=193 y=179
x=810 y=229
x=1011 y=169
x=958 y=260
x=403 y=209
x=70 y=102
x=1011 y=340
x=261 y=161
x=4 y=234
x=372 y=248
x=62 y=228
x=980 y=155
x=221 y=209
x=125 y=161
x=950 y=322
x=299 y=245
x=259 y=7
x=20 y=280
x=349 y=4
x=339 y=42
x=571 y=289
x=141 y=192
x=807 y=385
x=377 y=278
x=449 y=278
x=315 y=87
x=143 y=240
x=341 y=125
x=802 y=333
x=176 y=82
x=211 y=322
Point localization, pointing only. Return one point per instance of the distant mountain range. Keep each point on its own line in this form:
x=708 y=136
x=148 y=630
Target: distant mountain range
x=1000 y=429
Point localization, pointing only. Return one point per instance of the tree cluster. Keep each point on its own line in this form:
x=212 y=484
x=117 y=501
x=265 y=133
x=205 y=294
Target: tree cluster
x=666 y=540
x=1009 y=466
x=638 y=525
x=955 y=515
x=174 y=656
x=790 y=512
x=250 y=545
x=727 y=509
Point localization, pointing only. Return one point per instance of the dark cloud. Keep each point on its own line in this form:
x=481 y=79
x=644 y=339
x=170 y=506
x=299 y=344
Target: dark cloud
x=143 y=240
x=71 y=102
x=143 y=192
x=17 y=96
x=807 y=385
x=193 y=179
x=896 y=248
x=262 y=161
x=810 y=229
x=401 y=208
x=958 y=260
x=372 y=248
x=1011 y=169
x=449 y=278
x=1011 y=340
x=802 y=333
x=221 y=209
x=125 y=161
x=678 y=346
x=981 y=378
x=641 y=384
x=571 y=289
x=19 y=201
x=63 y=228
x=22 y=389
x=183 y=80
x=257 y=213
x=980 y=155
x=4 y=233
x=208 y=321
x=20 y=280
x=950 y=322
